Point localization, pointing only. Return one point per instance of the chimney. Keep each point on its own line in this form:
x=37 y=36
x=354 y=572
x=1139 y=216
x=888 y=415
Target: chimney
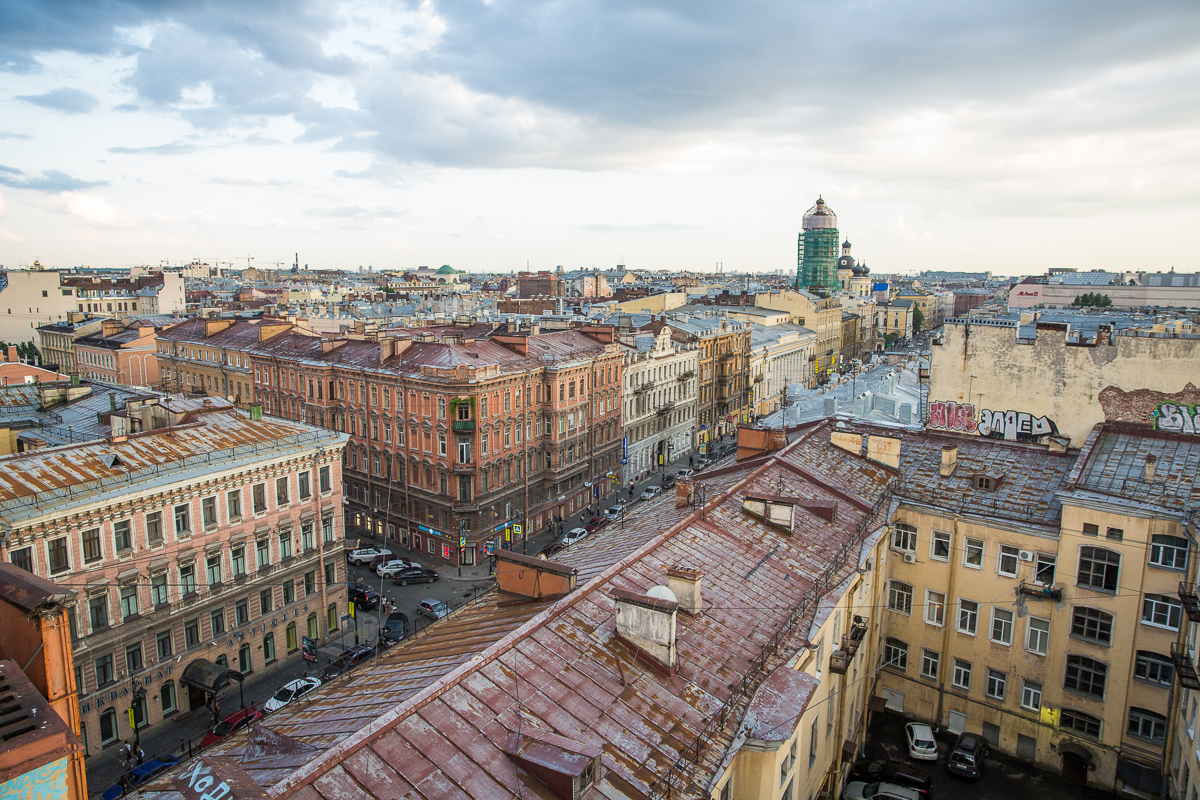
x=12 y=354
x=646 y=623
x=683 y=492
x=534 y=578
x=949 y=459
x=685 y=584
x=1151 y=462
x=566 y=767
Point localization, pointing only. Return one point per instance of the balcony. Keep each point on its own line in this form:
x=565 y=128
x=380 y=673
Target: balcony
x=666 y=409
x=463 y=425
x=839 y=660
x=686 y=376
x=1039 y=592
x=641 y=390
x=1183 y=666
x=1187 y=596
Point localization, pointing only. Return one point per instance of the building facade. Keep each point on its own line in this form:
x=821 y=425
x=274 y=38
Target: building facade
x=122 y=352
x=211 y=357
x=56 y=340
x=192 y=532
x=30 y=298
x=817 y=250
x=660 y=397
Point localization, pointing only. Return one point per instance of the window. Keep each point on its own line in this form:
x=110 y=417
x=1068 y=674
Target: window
x=940 y=548
x=244 y=659
x=306 y=536
x=217 y=619
x=269 y=648
x=1169 y=552
x=996 y=684
x=238 y=556
x=929 y=664
x=441 y=444
x=129 y=601
x=56 y=552
x=158 y=588
x=98 y=612
x=1002 y=626
x=241 y=611
x=311 y=623
x=122 y=536
x=213 y=568
x=167 y=694
x=191 y=633
x=305 y=485
x=326 y=482
x=1091 y=529
x=895 y=654
x=285 y=544
x=327 y=529
x=1009 y=558
x=962 y=675
x=331 y=617
x=289 y=593
x=154 y=529
x=1116 y=534
x=1153 y=668
x=904 y=537
x=91 y=545
x=1037 y=635
x=1086 y=676
x=208 y=512
x=292 y=640
x=1098 y=568
x=1145 y=724
x=935 y=608
x=259 y=496
x=1092 y=624
x=984 y=482
x=108 y=726
x=265 y=601
x=900 y=597
x=973 y=553
x=104 y=669
x=1031 y=695
x=330 y=574
x=1043 y=573
x=968 y=616
x=263 y=552
x=1079 y=722
x=1162 y=611
x=187 y=579
x=165 y=647
x=183 y=521
x=22 y=558
x=310 y=583
x=281 y=492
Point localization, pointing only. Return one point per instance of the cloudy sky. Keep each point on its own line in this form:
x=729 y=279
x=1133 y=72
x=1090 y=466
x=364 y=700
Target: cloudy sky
x=1011 y=136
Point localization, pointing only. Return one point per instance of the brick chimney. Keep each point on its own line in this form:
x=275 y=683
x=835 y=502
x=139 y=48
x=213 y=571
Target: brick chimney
x=12 y=354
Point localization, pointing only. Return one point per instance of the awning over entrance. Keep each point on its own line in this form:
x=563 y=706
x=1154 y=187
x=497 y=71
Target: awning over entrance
x=208 y=677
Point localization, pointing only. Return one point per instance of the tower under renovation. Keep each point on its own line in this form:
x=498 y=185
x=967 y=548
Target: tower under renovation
x=817 y=250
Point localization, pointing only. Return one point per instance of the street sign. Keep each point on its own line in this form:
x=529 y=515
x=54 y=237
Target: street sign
x=595 y=491
x=345 y=617
x=624 y=449
x=508 y=534
x=129 y=711
x=517 y=531
x=462 y=541
x=351 y=608
x=624 y=461
x=309 y=646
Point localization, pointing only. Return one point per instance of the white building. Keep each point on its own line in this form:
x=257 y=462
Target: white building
x=29 y=299
x=661 y=379
x=779 y=356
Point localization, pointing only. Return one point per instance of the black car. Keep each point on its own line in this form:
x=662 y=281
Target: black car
x=395 y=628
x=415 y=575
x=348 y=658
x=891 y=771
x=364 y=597
x=668 y=481
x=967 y=757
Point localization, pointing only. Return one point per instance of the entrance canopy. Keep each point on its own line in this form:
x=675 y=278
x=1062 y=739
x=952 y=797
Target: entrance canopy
x=208 y=677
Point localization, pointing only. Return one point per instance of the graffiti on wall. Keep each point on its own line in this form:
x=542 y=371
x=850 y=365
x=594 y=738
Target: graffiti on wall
x=1176 y=418
x=47 y=782
x=1014 y=426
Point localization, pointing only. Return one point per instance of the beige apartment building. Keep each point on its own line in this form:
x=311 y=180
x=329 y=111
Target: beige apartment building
x=193 y=531
x=212 y=356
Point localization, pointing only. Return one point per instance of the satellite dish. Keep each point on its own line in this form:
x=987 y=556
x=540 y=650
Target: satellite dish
x=662 y=593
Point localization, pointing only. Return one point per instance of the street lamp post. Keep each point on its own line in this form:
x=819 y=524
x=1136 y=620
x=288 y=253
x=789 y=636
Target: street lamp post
x=462 y=536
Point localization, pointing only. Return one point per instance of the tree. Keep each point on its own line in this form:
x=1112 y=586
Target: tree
x=1093 y=300
x=918 y=319
x=26 y=351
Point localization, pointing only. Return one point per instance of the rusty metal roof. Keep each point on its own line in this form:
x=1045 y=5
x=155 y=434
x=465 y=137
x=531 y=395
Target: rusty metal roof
x=1115 y=466
x=431 y=719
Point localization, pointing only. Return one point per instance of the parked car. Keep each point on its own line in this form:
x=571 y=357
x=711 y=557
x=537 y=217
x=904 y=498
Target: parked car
x=685 y=473
x=552 y=550
x=415 y=575
x=139 y=775
x=290 y=691
x=651 y=492
x=389 y=568
x=347 y=659
x=364 y=555
x=595 y=524
x=574 y=535
x=613 y=513
x=434 y=609
x=668 y=482
x=364 y=597
x=880 y=790
x=704 y=463
x=231 y=725
x=967 y=755
x=892 y=771
x=921 y=744
x=395 y=628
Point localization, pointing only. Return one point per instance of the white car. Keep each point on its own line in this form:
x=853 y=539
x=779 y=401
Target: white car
x=388 y=569
x=651 y=492
x=858 y=790
x=291 y=691
x=365 y=555
x=613 y=513
x=574 y=535
x=685 y=473
x=921 y=744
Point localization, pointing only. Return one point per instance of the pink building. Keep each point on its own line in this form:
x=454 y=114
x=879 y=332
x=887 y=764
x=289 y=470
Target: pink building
x=126 y=356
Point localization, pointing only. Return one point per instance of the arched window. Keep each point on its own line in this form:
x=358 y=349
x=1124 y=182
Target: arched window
x=167 y=695
x=222 y=661
x=269 y=648
x=291 y=637
x=312 y=625
x=331 y=617
x=244 y=659
x=108 y=726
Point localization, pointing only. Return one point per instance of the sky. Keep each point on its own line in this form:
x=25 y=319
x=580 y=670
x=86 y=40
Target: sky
x=1005 y=136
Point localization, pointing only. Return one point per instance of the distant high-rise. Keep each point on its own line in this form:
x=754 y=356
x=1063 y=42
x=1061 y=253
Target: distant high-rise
x=817 y=249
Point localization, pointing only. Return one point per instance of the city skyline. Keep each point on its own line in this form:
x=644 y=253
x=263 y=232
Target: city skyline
x=487 y=135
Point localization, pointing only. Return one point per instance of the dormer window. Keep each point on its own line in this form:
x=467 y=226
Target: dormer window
x=983 y=482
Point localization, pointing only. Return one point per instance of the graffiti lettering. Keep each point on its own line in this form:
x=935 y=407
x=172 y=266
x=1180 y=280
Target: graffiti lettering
x=1176 y=418
x=1014 y=426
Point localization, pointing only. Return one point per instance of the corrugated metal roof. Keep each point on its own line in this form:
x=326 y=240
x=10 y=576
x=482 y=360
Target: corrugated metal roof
x=1116 y=467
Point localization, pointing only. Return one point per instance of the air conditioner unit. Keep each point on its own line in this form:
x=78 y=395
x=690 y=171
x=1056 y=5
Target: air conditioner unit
x=910 y=558
x=1026 y=555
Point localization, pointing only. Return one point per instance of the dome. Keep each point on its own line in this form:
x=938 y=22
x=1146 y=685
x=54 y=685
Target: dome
x=446 y=269
x=861 y=270
x=820 y=217
x=662 y=593
x=846 y=262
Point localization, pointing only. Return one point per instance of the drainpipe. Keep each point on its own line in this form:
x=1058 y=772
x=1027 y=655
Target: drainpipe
x=943 y=664
x=1189 y=529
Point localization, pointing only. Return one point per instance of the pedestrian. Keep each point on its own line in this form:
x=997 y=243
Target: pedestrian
x=126 y=754
x=141 y=756
x=691 y=461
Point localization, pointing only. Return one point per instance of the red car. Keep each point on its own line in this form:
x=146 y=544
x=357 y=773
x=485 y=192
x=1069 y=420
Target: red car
x=235 y=722
x=595 y=523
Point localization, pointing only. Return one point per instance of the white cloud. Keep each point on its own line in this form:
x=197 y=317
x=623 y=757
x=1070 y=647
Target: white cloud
x=93 y=209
